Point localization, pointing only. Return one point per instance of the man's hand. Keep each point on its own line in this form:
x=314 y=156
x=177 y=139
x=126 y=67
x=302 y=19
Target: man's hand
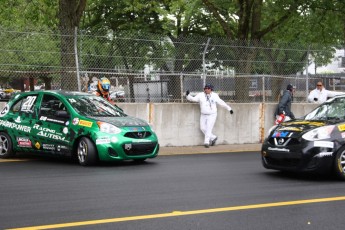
x=231 y=112
x=315 y=99
x=187 y=92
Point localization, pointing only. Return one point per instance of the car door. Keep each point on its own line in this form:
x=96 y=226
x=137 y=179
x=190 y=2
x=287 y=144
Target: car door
x=52 y=126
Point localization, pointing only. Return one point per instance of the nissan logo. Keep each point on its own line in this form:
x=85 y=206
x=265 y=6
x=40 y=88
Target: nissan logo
x=281 y=141
x=128 y=146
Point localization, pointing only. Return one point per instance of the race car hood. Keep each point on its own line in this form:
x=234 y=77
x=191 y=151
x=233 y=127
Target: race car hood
x=300 y=126
x=122 y=121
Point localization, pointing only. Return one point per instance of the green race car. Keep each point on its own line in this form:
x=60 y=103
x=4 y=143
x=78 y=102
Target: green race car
x=75 y=124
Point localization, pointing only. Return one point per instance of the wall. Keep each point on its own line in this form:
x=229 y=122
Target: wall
x=178 y=124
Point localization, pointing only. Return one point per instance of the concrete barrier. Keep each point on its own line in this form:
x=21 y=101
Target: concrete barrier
x=177 y=124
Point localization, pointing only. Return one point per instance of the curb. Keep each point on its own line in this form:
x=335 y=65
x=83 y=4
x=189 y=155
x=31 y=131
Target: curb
x=200 y=149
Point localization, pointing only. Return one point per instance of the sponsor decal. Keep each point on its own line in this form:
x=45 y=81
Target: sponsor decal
x=114 y=139
x=102 y=141
x=61 y=147
x=4 y=111
x=72 y=100
x=38 y=127
x=85 y=123
x=65 y=130
x=51 y=135
x=278 y=149
x=341 y=127
x=37 y=145
x=18 y=120
x=24 y=142
x=28 y=104
x=324 y=154
x=75 y=121
x=43 y=118
x=343 y=135
x=15 y=126
x=281 y=134
x=48 y=146
x=325 y=144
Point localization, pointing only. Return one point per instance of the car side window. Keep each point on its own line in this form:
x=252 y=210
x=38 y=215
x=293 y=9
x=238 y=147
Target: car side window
x=25 y=105
x=50 y=104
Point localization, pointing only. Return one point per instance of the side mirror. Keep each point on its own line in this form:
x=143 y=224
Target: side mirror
x=62 y=113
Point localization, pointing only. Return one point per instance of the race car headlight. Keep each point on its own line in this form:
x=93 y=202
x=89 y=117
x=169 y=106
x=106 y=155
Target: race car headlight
x=319 y=133
x=108 y=128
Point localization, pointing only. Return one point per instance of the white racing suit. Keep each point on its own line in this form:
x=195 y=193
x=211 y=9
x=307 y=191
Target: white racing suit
x=208 y=109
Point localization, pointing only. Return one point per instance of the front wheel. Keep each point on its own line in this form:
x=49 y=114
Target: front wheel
x=86 y=151
x=6 y=147
x=339 y=164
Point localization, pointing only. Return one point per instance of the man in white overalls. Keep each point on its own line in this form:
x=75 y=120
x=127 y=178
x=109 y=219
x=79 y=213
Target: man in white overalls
x=208 y=101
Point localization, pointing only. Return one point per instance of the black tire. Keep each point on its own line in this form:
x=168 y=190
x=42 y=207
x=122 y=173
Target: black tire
x=86 y=152
x=6 y=146
x=339 y=164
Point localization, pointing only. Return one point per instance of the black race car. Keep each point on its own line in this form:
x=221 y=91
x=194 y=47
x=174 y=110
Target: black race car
x=314 y=143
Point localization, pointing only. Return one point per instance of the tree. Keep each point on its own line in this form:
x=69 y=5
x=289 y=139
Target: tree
x=280 y=22
x=69 y=14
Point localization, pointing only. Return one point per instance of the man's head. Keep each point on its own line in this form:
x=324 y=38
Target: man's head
x=208 y=88
x=289 y=87
x=319 y=85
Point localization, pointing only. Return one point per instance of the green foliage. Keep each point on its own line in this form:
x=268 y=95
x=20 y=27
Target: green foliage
x=314 y=25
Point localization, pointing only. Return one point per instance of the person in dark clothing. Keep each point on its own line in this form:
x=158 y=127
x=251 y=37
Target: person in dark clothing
x=284 y=107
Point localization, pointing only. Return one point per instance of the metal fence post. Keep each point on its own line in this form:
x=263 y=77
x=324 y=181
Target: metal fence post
x=76 y=56
x=263 y=89
x=204 y=62
x=182 y=87
x=307 y=73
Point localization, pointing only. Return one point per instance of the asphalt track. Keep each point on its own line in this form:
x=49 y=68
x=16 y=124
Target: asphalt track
x=228 y=190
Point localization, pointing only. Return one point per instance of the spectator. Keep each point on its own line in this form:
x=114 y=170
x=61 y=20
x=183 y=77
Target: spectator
x=208 y=101
x=320 y=94
x=283 y=111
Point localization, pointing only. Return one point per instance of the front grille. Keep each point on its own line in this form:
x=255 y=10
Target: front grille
x=138 y=135
x=287 y=141
x=137 y=149
x=283 y=162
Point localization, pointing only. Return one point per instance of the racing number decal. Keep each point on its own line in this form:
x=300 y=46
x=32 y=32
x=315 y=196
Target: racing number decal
x=4 y=111
x=28 y=103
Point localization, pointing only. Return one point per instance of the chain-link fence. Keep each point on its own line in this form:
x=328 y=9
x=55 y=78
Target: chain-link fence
x=154 y=68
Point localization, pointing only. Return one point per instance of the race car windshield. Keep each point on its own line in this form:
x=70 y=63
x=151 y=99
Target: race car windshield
x=94 y=107
x=333 y=110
